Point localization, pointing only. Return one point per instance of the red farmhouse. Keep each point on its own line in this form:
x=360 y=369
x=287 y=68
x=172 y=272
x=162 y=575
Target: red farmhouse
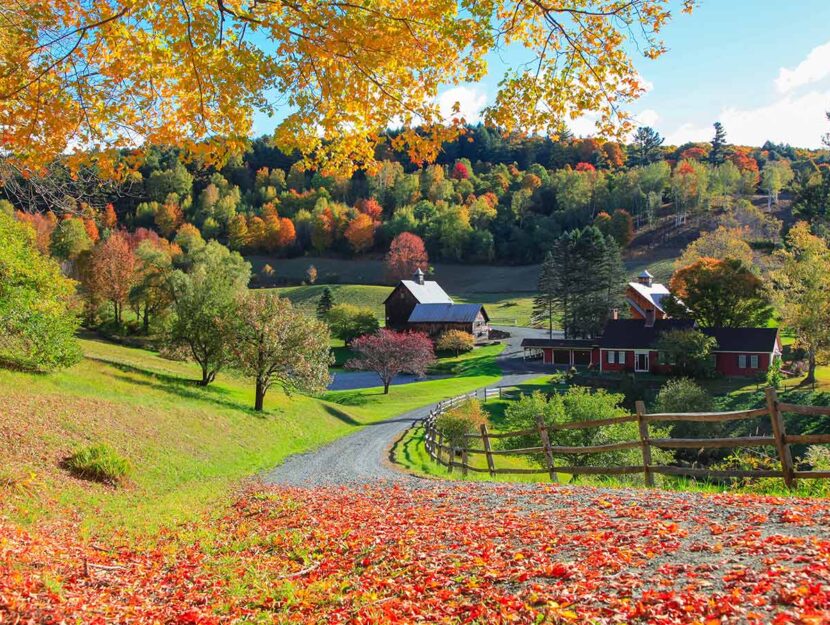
x=629 y=345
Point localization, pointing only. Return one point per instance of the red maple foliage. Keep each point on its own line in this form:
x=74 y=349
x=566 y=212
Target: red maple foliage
x=389 y=353
x=370 y=207
x=406 y=254
x=585 y=167
x=114 y=270
x=460 y=171
x=440 y=553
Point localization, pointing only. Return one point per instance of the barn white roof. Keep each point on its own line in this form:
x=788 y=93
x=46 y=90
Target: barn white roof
x=429 y=292
x=654 y=293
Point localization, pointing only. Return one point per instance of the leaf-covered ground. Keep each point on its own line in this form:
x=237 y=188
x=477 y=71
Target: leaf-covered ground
x=441 y=553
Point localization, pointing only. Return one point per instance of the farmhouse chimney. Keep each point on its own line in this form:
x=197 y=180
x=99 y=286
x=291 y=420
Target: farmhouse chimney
x=615 y=313
x=419 y=276
x=645 y=278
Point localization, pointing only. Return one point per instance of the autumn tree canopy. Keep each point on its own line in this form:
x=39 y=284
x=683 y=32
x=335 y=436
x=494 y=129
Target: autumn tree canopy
x=108 y=74
x=719 y=293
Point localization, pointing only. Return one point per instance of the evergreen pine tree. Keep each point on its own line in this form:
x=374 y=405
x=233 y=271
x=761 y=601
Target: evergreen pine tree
x=544 y=304
x=717 y=155
x=325 y=303
x=588 y=279
x=645 y=148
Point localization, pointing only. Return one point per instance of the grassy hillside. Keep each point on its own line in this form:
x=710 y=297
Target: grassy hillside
x=187 y=446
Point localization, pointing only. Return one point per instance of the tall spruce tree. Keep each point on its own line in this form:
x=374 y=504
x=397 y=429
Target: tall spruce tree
x=544 y=304
x=645 y=148
x=588 y=282
x=717 y=155
x=325 y=303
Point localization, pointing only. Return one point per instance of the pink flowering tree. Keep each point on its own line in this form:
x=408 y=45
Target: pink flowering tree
x=389 y=353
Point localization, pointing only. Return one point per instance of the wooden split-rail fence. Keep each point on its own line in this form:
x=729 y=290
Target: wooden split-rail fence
x=459 y=457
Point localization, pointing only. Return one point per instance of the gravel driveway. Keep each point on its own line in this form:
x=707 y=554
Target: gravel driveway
x=363 y=457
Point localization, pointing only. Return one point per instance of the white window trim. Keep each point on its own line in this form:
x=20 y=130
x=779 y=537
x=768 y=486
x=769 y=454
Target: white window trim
x=637 y=354
x=754 y=361
x=742 y=361
x=612 y=355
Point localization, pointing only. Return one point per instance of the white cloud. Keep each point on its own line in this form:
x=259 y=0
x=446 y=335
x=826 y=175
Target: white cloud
x=471 y=101
x=648 y=117
x=812 y=69
x=797 y=120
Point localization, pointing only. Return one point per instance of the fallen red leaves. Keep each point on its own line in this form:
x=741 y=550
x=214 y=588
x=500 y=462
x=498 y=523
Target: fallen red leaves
x=446 y=553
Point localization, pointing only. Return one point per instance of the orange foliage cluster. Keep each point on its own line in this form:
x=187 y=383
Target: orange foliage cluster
x=441 y=553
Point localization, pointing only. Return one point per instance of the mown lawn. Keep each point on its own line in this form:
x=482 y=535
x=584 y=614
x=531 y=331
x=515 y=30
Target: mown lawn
x=186 y=445
x=468 y=372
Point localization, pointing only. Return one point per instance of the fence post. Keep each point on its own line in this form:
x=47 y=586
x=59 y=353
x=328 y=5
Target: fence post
x=451 y=462
x=779 y=434
x=485 y=394
x=499 y=392
x=485 y=437
x=439 y=450
x=644 y=442
x=543 y=435
x=464 y=461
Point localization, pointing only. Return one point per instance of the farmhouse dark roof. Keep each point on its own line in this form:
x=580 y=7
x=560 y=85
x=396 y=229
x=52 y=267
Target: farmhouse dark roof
x=446 y=313
x=762 y=340
x=559 y=343
x=635 y=334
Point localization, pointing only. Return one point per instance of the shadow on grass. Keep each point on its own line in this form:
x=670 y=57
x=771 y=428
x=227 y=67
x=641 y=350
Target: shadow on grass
x=181 y=387
x=357 y=397
x=341 y=415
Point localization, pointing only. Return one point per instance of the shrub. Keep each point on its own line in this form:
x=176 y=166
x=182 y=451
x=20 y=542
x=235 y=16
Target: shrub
x=466 y=418
x=98 y=462
x=774 y=375
x=348 y=322
x=580 y=404
x=688 y=351
x=455 y=341
x=683 y=395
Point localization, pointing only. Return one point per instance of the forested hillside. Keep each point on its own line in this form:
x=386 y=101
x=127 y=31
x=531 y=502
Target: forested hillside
x=488 y=198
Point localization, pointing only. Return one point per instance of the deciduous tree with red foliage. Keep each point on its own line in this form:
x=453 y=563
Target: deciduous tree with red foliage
x=360 y=233
x=460 y=171
x=113 y=271
x=370 y=207
x=406 y=254
x=389 y=353
x=585 y=167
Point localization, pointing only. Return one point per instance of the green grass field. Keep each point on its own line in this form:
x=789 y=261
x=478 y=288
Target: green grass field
x=187 y=446
x=469 y=371
x=504 y=309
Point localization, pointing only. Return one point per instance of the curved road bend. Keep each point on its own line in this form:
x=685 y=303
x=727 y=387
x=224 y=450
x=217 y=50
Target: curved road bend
x=363 y=457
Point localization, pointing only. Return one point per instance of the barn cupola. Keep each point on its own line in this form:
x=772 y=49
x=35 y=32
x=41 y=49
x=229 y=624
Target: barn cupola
x=419 y=276
x=645 y=278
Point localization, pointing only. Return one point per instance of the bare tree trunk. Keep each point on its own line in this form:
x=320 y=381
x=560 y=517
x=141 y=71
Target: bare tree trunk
x=386 y=387
x=259 y=400
x=811 y=369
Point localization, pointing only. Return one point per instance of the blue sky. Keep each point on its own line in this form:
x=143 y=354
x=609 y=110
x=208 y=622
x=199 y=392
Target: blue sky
x=761 y=67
